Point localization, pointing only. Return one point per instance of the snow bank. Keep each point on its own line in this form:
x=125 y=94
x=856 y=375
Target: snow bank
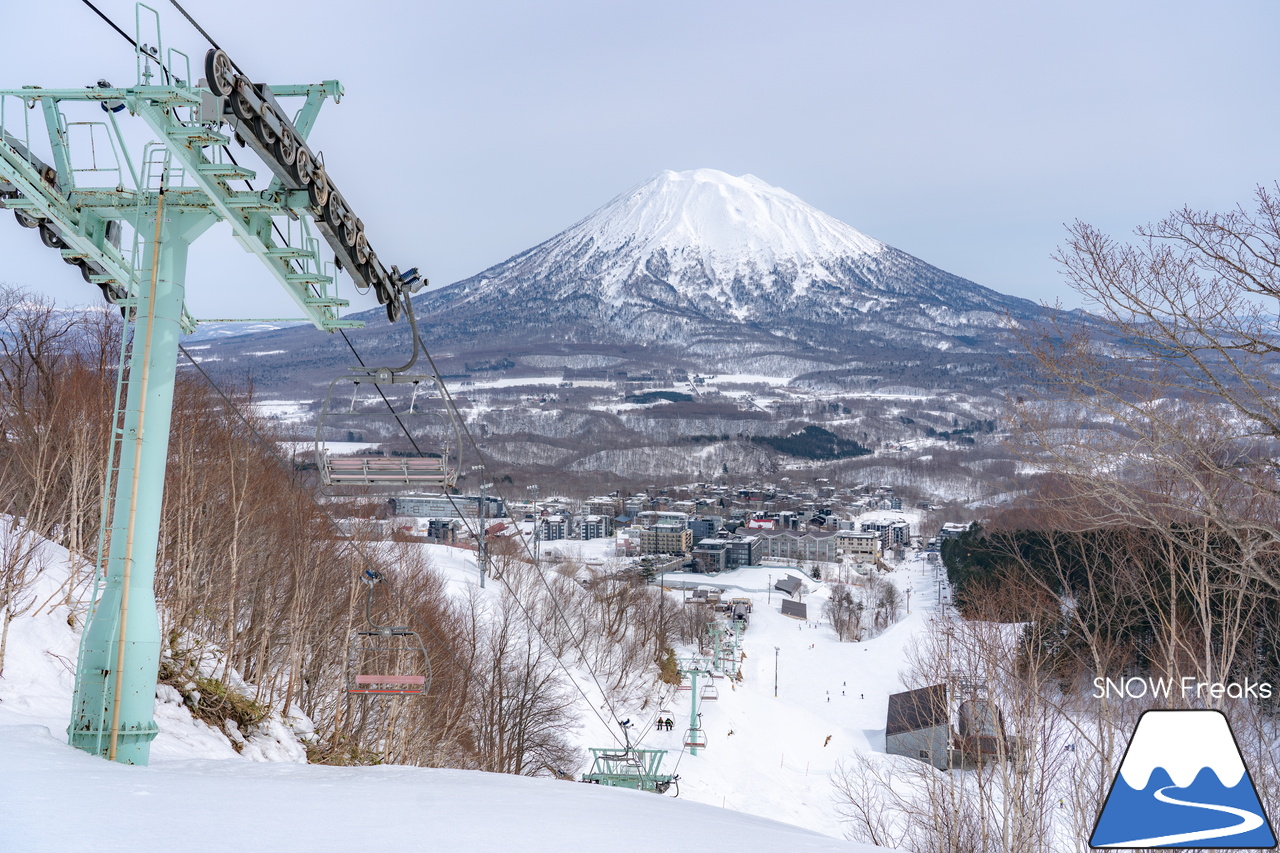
x=54 y=798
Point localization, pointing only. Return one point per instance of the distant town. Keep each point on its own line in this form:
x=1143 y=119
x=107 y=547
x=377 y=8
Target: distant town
x=704 y=528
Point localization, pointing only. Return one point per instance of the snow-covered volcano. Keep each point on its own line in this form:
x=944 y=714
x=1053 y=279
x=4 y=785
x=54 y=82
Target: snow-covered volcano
x=693 y=272
x=704 y=230
x=692 y=257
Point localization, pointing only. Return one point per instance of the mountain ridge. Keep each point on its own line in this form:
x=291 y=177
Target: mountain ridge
x=685 y=256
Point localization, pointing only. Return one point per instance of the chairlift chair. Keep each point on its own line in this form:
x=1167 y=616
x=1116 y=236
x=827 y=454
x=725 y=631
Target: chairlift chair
x=423 y=438
x=695 y=737
x=386 y=660
x=432 y=432
x=710 y=693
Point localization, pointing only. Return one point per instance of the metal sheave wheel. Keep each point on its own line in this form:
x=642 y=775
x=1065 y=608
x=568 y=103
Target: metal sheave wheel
x=318 y=189
x=50 y=237
x=333 y=211
x=286 y=148
x=262 y=129
x=219 y=73
x=240 y=105
x=303 y=167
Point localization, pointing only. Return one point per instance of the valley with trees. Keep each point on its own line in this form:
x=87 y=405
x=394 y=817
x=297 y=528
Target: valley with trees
x=1137 y=540
x=702 y=518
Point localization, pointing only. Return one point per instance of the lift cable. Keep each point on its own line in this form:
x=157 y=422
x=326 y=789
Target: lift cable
x=333 y=522
x=471 y=439
x=234 y=409
x=555 y=603
x=111 y=23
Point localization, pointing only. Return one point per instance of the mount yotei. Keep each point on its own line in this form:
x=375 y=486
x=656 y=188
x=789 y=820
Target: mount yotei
x=698 y=322
x=702 y=260
x=707 y=272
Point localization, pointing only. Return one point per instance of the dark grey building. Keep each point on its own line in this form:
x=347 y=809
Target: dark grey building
x=795 y=609
x=789 y=585
x=705 y=526
x=710 y=555
x=918 y=726
x=742 y=551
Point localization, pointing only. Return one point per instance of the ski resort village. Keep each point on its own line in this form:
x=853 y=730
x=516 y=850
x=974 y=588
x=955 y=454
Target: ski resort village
x=449 y=457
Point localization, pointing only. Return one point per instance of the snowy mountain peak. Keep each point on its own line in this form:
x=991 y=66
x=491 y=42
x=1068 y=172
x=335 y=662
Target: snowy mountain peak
x=701 y=256
x=718 y=227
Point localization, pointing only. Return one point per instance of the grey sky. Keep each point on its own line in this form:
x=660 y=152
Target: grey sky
x=963 y=133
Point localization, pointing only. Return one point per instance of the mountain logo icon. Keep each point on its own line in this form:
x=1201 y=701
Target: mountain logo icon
x=1183 y=784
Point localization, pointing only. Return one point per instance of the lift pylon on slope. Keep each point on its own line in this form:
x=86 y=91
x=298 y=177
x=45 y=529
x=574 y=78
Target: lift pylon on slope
x=127 y=223
x=694 y=737
x=633 y=767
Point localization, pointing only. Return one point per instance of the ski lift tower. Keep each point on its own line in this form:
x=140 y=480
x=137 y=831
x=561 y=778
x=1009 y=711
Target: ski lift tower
x=126 y=217
x=695 y=737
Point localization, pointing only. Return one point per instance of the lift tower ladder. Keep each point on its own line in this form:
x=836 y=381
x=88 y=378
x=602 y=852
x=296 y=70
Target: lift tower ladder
x=127 y=224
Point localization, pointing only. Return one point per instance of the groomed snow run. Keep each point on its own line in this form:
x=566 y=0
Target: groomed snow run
x=199 y=794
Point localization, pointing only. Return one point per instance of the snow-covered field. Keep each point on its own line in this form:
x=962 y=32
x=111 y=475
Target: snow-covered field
x=762 y=783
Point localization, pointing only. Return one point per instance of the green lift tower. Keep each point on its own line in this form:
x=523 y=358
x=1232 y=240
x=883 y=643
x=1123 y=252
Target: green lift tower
x=70 y=168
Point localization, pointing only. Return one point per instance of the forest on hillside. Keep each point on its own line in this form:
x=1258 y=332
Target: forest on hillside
x=253 y=576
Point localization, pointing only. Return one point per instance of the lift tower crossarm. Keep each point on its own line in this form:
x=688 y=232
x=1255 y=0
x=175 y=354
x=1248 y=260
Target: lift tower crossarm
x=252 y=230
x=37 y=195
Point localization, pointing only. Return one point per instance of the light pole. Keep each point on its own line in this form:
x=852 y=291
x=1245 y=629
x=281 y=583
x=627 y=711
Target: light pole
x=483 y=545
x=536 y=520
x=770 y=590
x=775 y=671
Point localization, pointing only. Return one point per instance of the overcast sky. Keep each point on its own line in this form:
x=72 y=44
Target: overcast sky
x=964 y=133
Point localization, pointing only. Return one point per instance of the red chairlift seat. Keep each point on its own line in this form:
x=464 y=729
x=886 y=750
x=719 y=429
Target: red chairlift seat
x=402 y=685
